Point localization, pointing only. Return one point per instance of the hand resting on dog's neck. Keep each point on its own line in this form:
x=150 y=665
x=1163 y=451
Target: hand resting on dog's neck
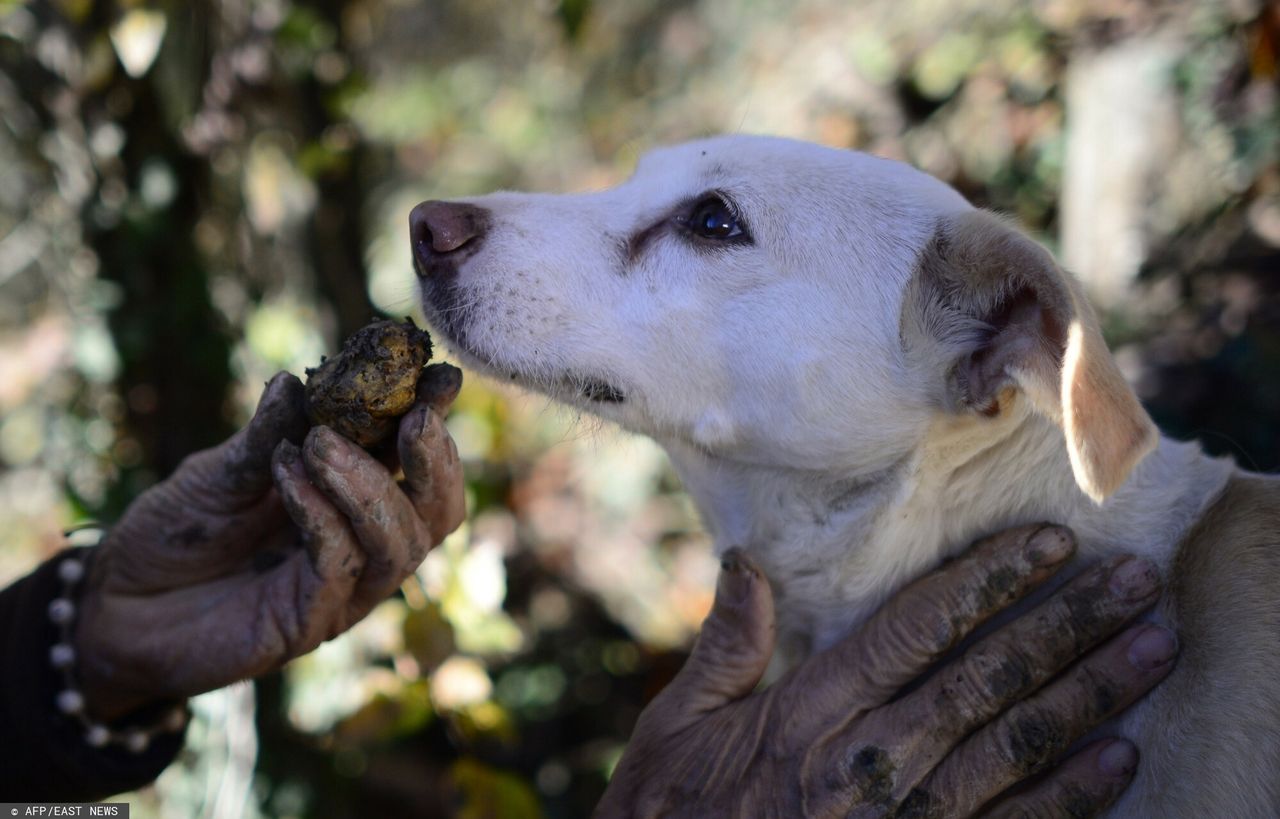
x=836 y=546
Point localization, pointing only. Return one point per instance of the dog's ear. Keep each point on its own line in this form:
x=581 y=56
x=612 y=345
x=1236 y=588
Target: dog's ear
x=1008 y=317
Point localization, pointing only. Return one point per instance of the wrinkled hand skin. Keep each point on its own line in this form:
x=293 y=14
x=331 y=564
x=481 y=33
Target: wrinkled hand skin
x=258 y=550
x=833 y=738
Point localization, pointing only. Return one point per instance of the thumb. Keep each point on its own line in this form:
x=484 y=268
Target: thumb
x=734 y=646
x=439 y=385
x=245 y=458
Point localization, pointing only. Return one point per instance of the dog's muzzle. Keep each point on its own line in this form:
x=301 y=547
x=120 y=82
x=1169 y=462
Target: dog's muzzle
x=444 y=234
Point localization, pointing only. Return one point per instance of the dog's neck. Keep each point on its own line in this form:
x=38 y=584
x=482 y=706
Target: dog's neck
x=835 y=546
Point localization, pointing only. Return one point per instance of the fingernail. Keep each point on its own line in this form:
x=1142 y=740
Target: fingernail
x=439 y=384
x=1119 y=758
x=332 y=448
x=1050 y=546
x=1153 y=648
x=424 y=422
x=282 y=395
x=275 y=383
x=735 y=579
x=291 y=459
x=1134 y=579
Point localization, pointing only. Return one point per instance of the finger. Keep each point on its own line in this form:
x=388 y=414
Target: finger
x=923 y=622
x=1035 y=732
x=306 y=599
x=242 y=464
x=385 y=523
x=1083 y=786
x=732 y=651
x=325 y=534
x=1008 y=665
x=432 y=471
x=897 y=746
x=439 y=385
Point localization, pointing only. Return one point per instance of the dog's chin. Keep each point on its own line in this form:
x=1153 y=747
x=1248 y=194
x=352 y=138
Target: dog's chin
x=592 y=393
x=589 y=391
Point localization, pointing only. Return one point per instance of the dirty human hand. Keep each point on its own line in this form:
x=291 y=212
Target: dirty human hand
x=256 y=551
x=832 y=738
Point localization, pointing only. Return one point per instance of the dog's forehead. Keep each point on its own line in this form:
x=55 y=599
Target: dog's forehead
x=776 y=168
x=725 y=159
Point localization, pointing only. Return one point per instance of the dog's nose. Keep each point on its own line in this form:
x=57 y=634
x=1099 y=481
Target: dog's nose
x=438 y=229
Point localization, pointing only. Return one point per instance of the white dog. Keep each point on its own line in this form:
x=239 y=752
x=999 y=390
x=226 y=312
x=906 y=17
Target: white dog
x=856 y=373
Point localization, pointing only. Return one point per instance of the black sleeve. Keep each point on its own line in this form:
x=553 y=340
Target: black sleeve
x=45 y=757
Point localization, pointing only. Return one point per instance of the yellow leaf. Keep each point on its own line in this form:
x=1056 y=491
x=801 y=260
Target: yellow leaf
x=428 y=637
x=487 y=793
x=387 y=716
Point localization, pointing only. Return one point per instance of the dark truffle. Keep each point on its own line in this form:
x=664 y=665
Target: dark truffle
x=362 y=391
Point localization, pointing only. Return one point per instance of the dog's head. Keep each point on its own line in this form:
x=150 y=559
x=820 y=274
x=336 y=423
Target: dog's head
x=775 y=302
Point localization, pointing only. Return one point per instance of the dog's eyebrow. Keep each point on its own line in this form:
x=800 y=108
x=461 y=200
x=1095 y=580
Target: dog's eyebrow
x=634 y=245
x=637 y=241
x=714 y=174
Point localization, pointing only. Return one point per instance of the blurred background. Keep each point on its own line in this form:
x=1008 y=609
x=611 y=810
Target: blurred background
x=194 y=195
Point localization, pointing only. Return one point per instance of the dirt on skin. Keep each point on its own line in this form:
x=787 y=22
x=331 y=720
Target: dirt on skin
x=362 y=391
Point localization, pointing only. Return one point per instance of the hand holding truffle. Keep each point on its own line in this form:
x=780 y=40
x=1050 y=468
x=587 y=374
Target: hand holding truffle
x=256 y=551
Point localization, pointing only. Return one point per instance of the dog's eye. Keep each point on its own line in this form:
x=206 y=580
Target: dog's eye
x=712 y=218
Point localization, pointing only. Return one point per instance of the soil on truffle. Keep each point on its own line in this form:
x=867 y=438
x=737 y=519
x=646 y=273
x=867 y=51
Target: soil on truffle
x=362 y=391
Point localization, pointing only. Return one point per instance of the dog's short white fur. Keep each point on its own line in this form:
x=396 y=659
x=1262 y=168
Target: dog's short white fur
x=879 y=374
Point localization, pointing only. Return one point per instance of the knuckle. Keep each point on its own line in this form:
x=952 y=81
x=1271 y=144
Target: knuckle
x=1082 y=609
x=1101 y=694
x=1079 y=617
x=986 y=676
x=977 y=588
x=992 y=588
x=277 y=629
x=418 y=548
x=862 y=773
x=924 y=631
x=433 y=425
x=352 y=563
x=721 y=641
x=1029 y=739
x=378 y=567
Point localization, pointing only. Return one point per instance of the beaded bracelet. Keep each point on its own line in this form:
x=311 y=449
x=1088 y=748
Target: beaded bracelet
x=62 y=611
